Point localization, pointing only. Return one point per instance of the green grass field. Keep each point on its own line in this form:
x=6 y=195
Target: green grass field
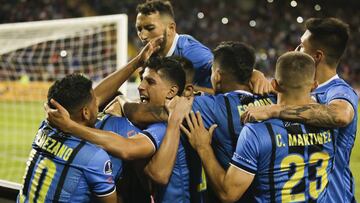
x=18 y=126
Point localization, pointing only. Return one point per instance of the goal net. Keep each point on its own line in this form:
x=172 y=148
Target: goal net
x=32 y=56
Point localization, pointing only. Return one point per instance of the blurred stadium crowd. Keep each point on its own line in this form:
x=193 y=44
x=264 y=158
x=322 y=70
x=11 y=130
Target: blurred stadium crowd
x=271 y=26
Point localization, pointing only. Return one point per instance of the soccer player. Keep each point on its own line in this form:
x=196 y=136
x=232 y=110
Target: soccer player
x=231 y=72
x=156 y=18
x=325 y=40
x=162 y=79
x=61 y=167
x=287 y=161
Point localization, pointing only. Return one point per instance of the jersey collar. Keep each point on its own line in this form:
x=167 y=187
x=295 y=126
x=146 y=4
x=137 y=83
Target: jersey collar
x=173 y=46
x=328 y=81
x=243 y=92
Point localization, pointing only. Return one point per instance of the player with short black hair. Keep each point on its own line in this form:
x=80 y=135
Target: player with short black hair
x=330 y=35
x=61 y=167
x=240 y=68
x=156 y=18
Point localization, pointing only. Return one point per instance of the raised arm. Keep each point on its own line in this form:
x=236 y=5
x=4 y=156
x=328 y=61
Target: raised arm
x=109 y=85
x=228 y=185
x=161 y=165
x=338 y=113
x=125 y=148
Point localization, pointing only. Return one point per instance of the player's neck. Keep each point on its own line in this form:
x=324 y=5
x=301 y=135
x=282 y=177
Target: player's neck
x=168 y=45
x=294 y=99
x=324 y=72
x=230 y=87
x=81 y=121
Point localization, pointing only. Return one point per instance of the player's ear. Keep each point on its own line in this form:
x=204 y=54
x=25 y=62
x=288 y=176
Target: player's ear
x=172 y=92
x=85 y=113
x=188 y=90
x=275 y=85
x=318 y=56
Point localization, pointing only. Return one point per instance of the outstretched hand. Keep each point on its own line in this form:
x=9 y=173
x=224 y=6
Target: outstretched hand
x=199 y=137
x=58 y=117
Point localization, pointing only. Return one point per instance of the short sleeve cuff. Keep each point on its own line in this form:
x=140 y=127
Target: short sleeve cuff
x=106 y=193
x=151 y=138
x=242 y=167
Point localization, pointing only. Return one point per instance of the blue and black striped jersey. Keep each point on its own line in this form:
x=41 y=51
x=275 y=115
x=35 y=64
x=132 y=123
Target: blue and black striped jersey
x=341 y=184
x=291 y=162
x=225 y=110
x=62 y=168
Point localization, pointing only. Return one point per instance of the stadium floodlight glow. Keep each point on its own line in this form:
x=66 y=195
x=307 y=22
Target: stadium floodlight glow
x=200 y=15
x=263 y=56
x=225 y=20
x=252 y=23
x=317 y=7
x=299 y=19
x=293 y=3
x=270 y=1
x=63 y=53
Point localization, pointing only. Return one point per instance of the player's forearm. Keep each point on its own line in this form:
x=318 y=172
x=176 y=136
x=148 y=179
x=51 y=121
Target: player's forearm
x=108 y=86
x=109 y=141
x=144 y=114
x=214 y=172
x=161 y=165
x=314 y=114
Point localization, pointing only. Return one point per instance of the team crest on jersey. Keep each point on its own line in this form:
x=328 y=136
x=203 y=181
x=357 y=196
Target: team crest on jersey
x=108 y=167
x=131 y=133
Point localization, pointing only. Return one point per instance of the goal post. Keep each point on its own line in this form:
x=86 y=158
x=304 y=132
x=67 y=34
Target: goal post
x=32 y=56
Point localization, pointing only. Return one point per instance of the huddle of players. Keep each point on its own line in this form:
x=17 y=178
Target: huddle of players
x=298 y=153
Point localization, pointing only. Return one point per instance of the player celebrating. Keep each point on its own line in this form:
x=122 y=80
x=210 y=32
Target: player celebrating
x=289 y=162
x=231 y=72
x=325 y=40
x=162 y=79
x=156 y=18
x=61 y=167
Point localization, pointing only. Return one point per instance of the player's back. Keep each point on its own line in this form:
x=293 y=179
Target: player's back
x=342 y=182
x=225 y=110
x=291 y=161
x=62 y=168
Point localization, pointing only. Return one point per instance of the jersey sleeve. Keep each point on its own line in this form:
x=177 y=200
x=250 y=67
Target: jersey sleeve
x=155 y=133
x=343 y=92
x=247 y=152
x=98 y=174
x=206 y=106
x=201 y=58
x=120 y=125
x=199 y=55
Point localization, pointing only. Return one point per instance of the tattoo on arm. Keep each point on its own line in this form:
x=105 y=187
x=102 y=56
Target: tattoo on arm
x=313 y=114
x=158 y=112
